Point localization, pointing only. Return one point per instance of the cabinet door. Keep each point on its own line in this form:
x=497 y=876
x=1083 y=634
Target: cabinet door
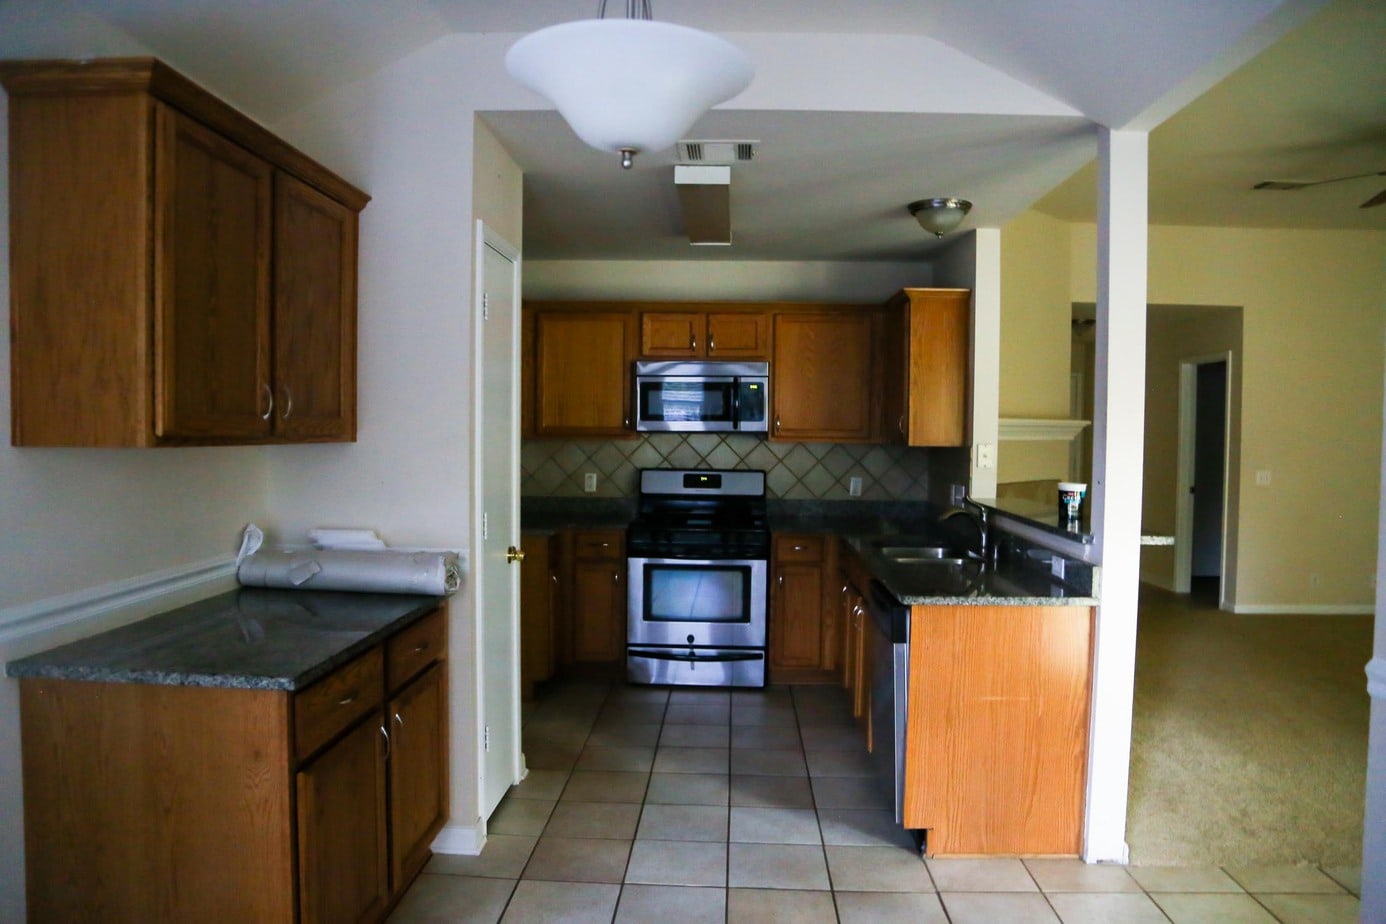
x=314 y=314
x=342 y=849
x=669 y=335
x=796 y=628
x=822 y=387
x=418 y=776
x=537 y=649
x=736 y=335
x=939 y=334
x=582 y=373
x=598 y=611
x=212 y=292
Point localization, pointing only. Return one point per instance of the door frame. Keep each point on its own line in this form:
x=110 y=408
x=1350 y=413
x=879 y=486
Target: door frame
x=487 y=237
x=1184 y=501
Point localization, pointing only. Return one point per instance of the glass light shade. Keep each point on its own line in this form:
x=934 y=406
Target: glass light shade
x=939 y=216
x=629 y=84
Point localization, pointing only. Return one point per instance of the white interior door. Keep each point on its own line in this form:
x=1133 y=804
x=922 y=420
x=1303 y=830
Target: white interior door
x=496 y=437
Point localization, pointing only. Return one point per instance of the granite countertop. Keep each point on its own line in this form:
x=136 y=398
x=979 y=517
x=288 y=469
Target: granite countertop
x=1022 y=581
x=252 y=638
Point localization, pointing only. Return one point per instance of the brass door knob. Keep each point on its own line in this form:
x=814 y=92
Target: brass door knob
x=513 y=554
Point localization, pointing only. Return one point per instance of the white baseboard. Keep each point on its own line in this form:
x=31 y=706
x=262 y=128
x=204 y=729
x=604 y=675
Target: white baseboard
x=28 y=619
x=460 y=840
x=1303 y=609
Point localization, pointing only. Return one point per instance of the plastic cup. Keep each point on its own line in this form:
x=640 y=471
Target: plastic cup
x=1071 y=495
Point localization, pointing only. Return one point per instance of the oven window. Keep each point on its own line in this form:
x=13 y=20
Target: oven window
x=671 y=400
x=698 y=593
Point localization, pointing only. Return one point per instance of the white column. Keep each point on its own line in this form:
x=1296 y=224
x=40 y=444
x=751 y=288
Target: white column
x=1118 y=438
x=1374 y=825
x=986 y=361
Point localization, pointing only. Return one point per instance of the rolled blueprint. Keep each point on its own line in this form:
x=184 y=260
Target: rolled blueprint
x=372 y=571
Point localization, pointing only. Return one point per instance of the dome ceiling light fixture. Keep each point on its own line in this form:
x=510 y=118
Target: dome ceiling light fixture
x=939 y=216
x=629 y=85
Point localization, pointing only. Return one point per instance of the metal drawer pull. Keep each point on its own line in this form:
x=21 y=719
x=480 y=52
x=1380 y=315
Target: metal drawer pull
x=398 y=720
x=421 y=648
x=800 y=548
x=386 y=735
x=712 y=344
x=288 y=403
x=348 y=699
x=269 y=397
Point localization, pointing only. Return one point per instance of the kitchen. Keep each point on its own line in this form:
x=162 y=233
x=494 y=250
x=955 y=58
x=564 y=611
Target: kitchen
x=413 y=274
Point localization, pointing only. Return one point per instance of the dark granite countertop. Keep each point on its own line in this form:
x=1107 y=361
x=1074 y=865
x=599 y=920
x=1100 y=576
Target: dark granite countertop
x=251 y=637
x=550 y=514
x=1045 y=516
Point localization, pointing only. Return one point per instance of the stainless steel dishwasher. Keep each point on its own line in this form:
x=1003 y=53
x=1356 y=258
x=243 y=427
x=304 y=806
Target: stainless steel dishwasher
x=888 y=644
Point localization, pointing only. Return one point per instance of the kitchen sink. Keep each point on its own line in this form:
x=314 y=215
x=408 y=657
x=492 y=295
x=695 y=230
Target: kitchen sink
x=922 y=554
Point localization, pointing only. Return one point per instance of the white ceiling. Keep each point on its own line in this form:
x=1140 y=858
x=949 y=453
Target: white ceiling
x=833 y=185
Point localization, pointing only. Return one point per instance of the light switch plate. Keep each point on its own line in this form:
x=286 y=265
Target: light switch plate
x=986 y=455
x=1263 y=478
x=589 y=482
x=854 y=486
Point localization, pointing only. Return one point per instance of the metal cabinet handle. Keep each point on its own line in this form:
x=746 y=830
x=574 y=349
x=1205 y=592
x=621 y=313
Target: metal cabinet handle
x=399 y=720
x=386 y=735
x=625 y=422
x=900 y=425
x=780 y=580
x=692 y=341
x=288 y=403
x=777 y=423
x=799 y=548
x=348 y=699
x=421 y=648
x=616 y=576
x=269 y=398
x=711 y=344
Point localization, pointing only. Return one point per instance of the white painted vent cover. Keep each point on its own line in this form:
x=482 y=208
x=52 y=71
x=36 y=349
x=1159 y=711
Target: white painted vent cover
x=701 y=151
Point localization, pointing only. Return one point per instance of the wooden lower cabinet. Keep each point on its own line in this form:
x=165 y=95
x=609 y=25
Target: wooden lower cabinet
x=596 y=600
x=803 y=618
x=147 y=802
x=538 y=599
x=996 y=740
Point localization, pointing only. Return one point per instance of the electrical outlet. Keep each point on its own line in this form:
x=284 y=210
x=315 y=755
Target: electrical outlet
x=854 y=486
x=589 y=482
x=1263 y=478
x=986 y=455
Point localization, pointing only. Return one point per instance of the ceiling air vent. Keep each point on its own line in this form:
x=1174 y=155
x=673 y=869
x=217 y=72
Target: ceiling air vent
x=716 y=152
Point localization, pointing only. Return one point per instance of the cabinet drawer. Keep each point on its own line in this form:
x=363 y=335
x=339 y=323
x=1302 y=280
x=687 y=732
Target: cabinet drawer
x=798 y=548
x=337 y=700
x=599 y=543
x=415 y=648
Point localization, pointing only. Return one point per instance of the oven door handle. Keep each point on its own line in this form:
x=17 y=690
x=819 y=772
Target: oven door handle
x=691 y=657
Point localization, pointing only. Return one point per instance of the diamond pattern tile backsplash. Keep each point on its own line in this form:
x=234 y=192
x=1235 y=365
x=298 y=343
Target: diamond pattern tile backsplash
x=794 y=471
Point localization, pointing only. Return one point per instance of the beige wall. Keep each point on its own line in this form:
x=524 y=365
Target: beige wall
x=1314 y=305
x=1175 y=335
x=1035 y=343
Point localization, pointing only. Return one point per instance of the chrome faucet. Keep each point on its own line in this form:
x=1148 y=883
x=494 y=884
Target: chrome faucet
x=984 y=548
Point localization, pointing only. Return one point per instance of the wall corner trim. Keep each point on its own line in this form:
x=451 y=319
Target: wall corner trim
x=1303 y=609
x=1376 y=677
x=460 y=840
x=44 y=615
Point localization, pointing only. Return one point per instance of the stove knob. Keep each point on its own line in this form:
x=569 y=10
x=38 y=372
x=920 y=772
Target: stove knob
x=690 y=640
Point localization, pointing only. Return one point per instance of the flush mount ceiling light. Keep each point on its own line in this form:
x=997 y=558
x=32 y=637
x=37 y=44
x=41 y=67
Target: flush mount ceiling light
x=629 y=85
x=939 y=216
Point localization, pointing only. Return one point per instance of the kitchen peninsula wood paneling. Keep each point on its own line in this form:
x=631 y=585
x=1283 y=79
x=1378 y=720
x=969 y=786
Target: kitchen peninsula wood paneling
x=171 y=262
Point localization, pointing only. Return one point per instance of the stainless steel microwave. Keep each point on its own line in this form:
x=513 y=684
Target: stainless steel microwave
x=702 y=396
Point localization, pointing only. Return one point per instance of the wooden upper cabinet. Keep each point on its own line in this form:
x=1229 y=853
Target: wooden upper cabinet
x=212 y=292
x=927 y=353
x=314 y=313
x=582 y=373
x=179 y=275
x=698 y=334
x=822 y=375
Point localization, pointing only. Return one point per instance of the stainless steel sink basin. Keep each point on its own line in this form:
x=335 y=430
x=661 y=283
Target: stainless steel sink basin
x=922 y=554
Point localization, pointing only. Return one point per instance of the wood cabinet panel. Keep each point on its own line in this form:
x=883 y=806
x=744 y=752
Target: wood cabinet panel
x=413 y=649
x=342 y=848
x=822 y=386
x=672 y=335
x=804 y=628
x=418 y=772
x=597 y=608
x=738 y=335
x=337 y=700
x=928 y=367
x=314 y=314
x=538 y=597
x=582 y=373
x=1005 y=688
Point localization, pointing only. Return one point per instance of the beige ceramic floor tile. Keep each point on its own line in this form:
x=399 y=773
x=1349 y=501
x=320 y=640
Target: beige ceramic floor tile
x=776 y=866
x=877 y=869
x=520 y=816
x=695 y=736
x=691 y=760
x=765 y=737
x=453 y=900
x=981 y=875
x=698 y=715
x=1283 y=879
x=777 y=716
x=540 y=784
x=684 y=823
x=634 y=760
x=578 y=859
x=832 y=738
x=593 y=819
x=754 y=825
x=503 y=857
x=1349 y=877
x=646 y=904
x=767 y=762
x=1064 y=875
x=678 y=863
x=562 y=903
x=1106 y=908
x=688 y=789
x=1312 y=909
x=840 y=763
x=779 y=906
x=624 y=736
x=792 y=792
x=863 y=828
x=606 y=786
x=845 y=792
x=694 y=697
x=1206 y=908
x=996 y=907
x=889 y=908
x=1183 y=879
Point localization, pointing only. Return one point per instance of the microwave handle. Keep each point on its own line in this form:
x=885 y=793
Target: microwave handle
x=736 y=404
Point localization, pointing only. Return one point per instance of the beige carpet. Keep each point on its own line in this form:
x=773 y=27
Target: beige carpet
x=1250 y=736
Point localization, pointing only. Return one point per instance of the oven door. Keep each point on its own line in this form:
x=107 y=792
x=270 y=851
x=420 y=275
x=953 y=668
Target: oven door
x=696 y=603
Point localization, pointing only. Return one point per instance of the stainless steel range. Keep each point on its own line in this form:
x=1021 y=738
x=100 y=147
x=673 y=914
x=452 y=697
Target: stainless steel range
x=698 y=562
